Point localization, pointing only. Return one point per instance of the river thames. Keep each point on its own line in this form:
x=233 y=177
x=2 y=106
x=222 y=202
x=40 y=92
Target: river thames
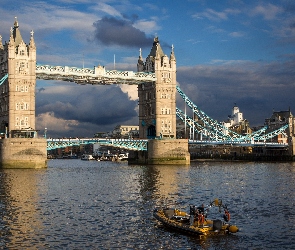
x=76 y=204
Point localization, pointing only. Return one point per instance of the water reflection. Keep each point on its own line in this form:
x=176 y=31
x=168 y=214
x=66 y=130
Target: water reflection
x=20 y=220
x=162 y=181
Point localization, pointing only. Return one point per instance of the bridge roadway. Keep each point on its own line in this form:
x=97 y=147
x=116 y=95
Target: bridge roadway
x=97 y=75
x=137 y=145
x=141 y=144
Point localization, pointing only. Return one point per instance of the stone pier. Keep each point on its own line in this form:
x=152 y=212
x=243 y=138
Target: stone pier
x=168 y=151
x=292 y=147
x=23 y=153
x=162 y=152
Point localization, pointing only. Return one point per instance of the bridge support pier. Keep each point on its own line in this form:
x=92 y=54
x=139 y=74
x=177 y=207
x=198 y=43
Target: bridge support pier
x=292 y=147
x=165 y=152
x=23 y=153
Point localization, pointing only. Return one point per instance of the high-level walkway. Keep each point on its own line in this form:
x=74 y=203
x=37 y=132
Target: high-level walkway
x=97 y=75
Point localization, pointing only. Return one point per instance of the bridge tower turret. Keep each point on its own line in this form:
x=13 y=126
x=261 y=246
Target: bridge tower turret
x=20 y=147
x=157 y=100
x=17 y=111
x=157 y=110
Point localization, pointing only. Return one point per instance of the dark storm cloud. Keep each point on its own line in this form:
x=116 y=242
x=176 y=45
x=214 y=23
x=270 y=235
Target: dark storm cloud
x=96 y=108
x=40 y=90
x=256 y=88
x=112 y=31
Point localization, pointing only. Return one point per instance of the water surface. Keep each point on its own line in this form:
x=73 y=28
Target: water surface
x=76 y=204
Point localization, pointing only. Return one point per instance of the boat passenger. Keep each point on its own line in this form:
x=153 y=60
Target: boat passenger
x=192 y=211
x=226 y=215
x=201 y=209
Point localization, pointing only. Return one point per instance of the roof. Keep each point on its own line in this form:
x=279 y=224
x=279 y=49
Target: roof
x=156 y=48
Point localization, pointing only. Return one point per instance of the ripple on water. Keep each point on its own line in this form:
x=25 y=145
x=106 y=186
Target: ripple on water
x=102 y=205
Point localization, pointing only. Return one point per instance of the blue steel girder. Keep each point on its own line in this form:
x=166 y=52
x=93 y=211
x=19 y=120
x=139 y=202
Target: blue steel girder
x=3 y=79
x=219 y=129
x=240 y=144
x=213 y=135
x=256 y=134
x=215 y=126
x=272 y=134
x=139 y=145
x=208 y=121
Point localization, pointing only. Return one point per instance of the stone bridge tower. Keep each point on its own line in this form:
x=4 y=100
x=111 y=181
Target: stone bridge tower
x=17 y=111
x=19 y=147
x=157 y=109
x=157 y=104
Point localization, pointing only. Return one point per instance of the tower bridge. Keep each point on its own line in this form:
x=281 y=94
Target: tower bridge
x=156 y=79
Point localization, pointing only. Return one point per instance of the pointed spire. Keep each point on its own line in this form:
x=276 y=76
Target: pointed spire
x=140 y=63
x=32 y=41
x=16 y=33
x=140 y=57
x=156 y=48
x=11 y=40
x=157 y=52
x=1 y=45
x=172 y=55
x=15 y=22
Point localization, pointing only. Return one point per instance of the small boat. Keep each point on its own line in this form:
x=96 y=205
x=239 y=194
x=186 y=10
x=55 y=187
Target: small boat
x=86 y=157
x=123 y=157
x=196 y=222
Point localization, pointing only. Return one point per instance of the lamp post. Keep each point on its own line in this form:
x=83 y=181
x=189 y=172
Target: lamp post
x=45 y=132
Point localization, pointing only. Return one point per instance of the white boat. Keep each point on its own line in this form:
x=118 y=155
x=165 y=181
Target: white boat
x=86 y=157
x=123 y=157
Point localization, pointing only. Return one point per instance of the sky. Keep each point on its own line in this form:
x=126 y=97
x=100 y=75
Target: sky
x=228 y=52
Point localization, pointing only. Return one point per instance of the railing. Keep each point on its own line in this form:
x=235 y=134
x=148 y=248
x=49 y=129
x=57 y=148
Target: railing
x=137 y=145
x=2 y=80
x=240 y=143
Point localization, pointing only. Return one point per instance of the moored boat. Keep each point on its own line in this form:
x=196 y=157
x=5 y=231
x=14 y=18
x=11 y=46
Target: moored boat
x=86 y=157
x=123 y=157
x=197 y=221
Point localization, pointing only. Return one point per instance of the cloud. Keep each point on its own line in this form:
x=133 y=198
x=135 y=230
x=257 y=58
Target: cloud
x=78 y=107
x=149 y=26
x=112 y=31
x=268 y=11
x=108 y=9
x=214 y=15
x=40 y=89
x=59 y=125
x=237 y=34
x=131 y=90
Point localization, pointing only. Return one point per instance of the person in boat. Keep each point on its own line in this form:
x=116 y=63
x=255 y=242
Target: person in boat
x=192 y=211
x=201 y=209
x=226 y=215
